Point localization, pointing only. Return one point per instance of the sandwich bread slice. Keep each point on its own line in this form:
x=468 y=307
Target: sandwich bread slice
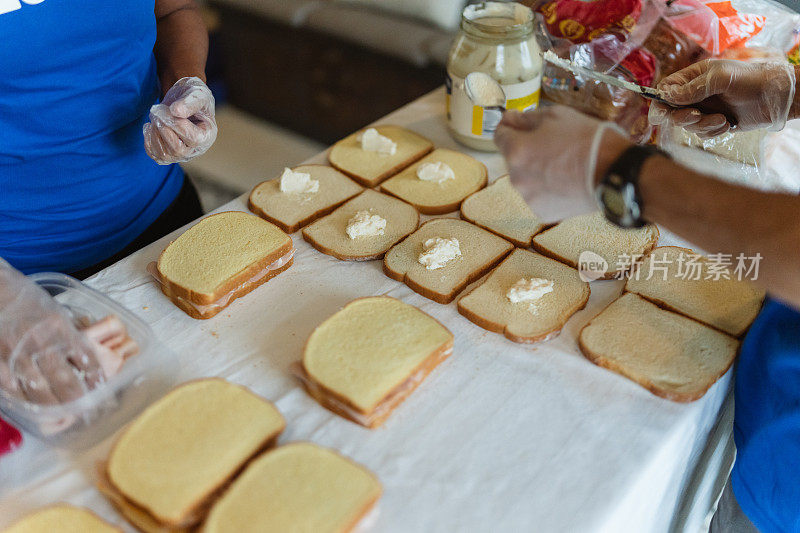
x=62 y=518
x=174 y=458
x=681 y=280
x=367 y=358
x=438 y=182
x=501 y=209
x=364 y=228
x=528 y=298
x=444 y=256
x=291 y=209
x=219 y=259
x=668 y=354
x=300 y=487
x=371 y=165
x=618 y=247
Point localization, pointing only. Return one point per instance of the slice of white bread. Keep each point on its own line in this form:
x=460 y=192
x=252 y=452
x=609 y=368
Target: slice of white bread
x=221 y=255
x=300 y=487
x=670 y=355
x=328 y=234
x=363 y=361
x=371 y=168
x=432 y=198
x=567 y=240
x=666 y=278
x=501 y=209
x=185 y=447
x=480 y=252
x=292 y=211
x=488 y=306
x=62 y=518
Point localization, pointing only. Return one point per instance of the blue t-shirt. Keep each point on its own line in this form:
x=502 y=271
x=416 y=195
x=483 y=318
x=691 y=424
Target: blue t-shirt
x=77 y=79
x=766 y=475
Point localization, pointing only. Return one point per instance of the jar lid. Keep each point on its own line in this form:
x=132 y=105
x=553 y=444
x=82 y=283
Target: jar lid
x=498 y=20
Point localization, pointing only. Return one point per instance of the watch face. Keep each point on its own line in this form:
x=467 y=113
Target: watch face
x=613 y=200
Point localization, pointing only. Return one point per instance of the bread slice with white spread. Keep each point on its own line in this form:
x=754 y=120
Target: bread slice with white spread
x=668 y=354
x=364 y=228
x=619 y=248
x=501 y=209
x=172 y=460
x=439 y=182
x=528 y=297
x=219 y=259
x=444 y=256
x=363 y=361
x=370 y=163
x=686 y=282
x=291 y=202
x=298 y=487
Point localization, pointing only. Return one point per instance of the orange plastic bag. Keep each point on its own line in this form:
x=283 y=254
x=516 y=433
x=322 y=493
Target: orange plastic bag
x=714 y=25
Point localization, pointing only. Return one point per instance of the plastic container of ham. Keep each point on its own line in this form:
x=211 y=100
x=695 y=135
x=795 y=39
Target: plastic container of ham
x=85 y=421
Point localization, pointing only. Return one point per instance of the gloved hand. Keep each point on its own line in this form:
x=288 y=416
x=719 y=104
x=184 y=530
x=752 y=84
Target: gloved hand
x=182 y=126
x=43 y=356
x=553 y=154
x=759 y=95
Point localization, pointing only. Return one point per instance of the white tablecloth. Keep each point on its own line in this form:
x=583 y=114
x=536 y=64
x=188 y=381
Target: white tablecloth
x=500 y=437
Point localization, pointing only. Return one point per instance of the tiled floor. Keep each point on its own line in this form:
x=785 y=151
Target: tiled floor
x=247 y=151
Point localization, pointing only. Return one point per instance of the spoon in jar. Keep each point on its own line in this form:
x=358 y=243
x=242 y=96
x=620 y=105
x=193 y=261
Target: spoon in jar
x=485 y=92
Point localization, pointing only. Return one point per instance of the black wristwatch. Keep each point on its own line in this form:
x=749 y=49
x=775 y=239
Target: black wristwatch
x=618 y=190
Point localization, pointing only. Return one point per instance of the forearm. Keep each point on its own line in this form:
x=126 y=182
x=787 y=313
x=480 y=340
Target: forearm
x=723 y=218
x=720 y=217
x=181 y=46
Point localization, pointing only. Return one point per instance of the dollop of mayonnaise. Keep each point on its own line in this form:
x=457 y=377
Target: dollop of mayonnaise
x=372 y=141
x=298 y=182
x=438 y=252
x=365 y=224
x=437 y=172
x=529 y=290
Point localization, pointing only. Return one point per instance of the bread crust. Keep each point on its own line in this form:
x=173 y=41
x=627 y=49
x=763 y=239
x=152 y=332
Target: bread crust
x=57 y=505
x=171 y=289
x=515 y=242
x=366 y=182
x=444 y=298
x=611 y=274
x=195 y=514
x=301 y=223
x=495 y=327
x=603 y=362
x=367 y=507
x=193 y=312
x=332 y=400
x=663 y=305
x=446 y=208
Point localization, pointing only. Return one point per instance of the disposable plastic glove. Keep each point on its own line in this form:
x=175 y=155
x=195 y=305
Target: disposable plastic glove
x=552 y=156
x=43 y=356
x=182 y=126
x=758 y=95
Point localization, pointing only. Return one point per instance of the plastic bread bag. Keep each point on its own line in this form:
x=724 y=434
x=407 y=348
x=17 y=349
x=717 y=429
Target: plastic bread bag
x=603 y=35
x=758 y=159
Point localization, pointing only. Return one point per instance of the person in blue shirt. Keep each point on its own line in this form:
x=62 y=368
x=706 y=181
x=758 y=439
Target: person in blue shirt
x=87 y=161
x=558 y=151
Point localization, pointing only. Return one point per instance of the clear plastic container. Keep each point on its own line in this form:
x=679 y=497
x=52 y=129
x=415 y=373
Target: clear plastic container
x=85 y=421
x=497 y=38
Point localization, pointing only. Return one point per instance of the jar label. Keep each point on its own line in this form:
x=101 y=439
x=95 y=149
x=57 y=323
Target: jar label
x=474 y=121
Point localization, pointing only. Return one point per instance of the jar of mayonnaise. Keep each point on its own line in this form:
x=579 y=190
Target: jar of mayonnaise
x=496 y=38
